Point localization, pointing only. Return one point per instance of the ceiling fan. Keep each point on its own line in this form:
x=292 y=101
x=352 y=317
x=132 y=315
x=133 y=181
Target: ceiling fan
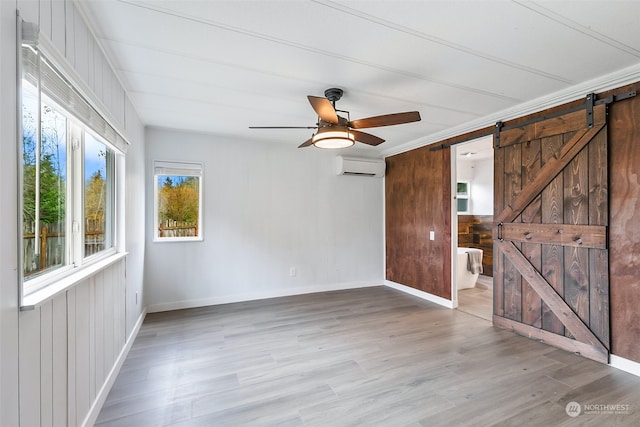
x=335 y=131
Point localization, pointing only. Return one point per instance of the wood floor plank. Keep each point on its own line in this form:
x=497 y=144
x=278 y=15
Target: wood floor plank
x=478 y=300
x=372 y=356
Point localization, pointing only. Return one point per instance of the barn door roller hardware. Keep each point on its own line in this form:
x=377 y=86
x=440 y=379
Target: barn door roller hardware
x=589 y=103
x=496 y=134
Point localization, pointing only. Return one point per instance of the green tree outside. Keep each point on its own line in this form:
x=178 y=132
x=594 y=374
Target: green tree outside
x=178 y=198
x=52 y=185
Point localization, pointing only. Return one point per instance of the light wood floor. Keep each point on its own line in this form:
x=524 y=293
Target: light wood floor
x=478 y=300
x=365 y=357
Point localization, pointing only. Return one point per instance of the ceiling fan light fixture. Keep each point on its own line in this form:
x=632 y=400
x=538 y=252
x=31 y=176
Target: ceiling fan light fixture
x=333 y=138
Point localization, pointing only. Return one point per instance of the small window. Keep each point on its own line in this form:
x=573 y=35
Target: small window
x=463 y=195
x=178 y=201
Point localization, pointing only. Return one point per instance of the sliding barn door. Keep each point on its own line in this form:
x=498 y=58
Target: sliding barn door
x=551 y=272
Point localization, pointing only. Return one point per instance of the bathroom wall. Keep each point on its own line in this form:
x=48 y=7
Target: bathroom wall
x=482 y=187
x=475 y=231
x=480 y=173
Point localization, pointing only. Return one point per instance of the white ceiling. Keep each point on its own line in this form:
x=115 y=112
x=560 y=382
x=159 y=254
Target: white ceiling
x=222 y=66
x=477 y=149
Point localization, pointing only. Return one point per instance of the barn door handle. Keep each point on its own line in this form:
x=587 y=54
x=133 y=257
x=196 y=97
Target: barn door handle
x=578 y=240
x=500 y=224
x=528 y=235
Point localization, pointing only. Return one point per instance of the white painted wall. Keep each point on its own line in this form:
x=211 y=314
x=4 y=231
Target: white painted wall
x=8 y=220
x=56 y=360
x=480 y=173
x=267 y=208
x=465 y=169
x=482 y=187
x=135 y=207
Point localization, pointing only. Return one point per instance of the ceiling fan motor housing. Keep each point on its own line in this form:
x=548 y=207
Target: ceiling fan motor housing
x=333 y=94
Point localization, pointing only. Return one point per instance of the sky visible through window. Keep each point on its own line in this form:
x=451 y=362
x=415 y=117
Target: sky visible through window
x=54 y=139
x=54 y=130
x=95 y=157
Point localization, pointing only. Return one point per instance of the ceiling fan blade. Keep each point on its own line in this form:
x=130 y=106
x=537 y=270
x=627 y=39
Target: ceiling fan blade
x=307 y=143
x=324 y=109
x=283 y=127
x=367 y=138
x=386 y=120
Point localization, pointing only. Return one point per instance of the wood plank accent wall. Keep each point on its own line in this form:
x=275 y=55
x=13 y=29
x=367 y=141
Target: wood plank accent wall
x=417 y=201
x=476 y=231
x=624 y=232
x=68 y=347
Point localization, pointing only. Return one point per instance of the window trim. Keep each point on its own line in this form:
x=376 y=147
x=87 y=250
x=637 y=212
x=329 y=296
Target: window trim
x=46 y=286
x=112 y=186
x=178 y=168
x=75 y=257
x=67 y=281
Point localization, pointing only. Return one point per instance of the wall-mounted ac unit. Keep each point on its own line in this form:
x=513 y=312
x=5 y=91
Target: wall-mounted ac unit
x=361 y=167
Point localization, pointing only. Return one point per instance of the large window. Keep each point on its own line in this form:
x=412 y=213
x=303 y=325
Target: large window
x=178 y=201
x=68 y=161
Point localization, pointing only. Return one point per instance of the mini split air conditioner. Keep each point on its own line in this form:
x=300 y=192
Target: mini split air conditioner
x=361 y=167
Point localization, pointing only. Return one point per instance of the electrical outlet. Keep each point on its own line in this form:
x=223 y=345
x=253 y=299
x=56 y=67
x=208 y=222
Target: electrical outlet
x=292 y=272
x=432 y=235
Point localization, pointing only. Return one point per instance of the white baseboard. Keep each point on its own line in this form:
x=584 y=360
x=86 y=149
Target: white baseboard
x=92 y=416
x=624 y=364
x=276 y=293
x=421 y=294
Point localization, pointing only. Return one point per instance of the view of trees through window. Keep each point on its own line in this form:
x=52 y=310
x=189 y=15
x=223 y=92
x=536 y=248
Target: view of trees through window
x=178 y=206
x=44 y=164
x=96 y=196
x=46 y=212
x=68 y=160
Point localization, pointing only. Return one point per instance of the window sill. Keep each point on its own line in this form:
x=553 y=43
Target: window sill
x=31 y=301
x=177 y=239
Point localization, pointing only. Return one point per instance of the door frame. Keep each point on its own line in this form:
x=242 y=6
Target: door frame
x=455 y=148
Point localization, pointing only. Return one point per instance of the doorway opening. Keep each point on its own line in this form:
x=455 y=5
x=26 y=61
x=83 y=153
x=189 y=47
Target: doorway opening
x=472 y=223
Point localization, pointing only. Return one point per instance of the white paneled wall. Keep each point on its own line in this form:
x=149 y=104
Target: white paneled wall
x=68 y=347
x=267 y=209
x=57 y=361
